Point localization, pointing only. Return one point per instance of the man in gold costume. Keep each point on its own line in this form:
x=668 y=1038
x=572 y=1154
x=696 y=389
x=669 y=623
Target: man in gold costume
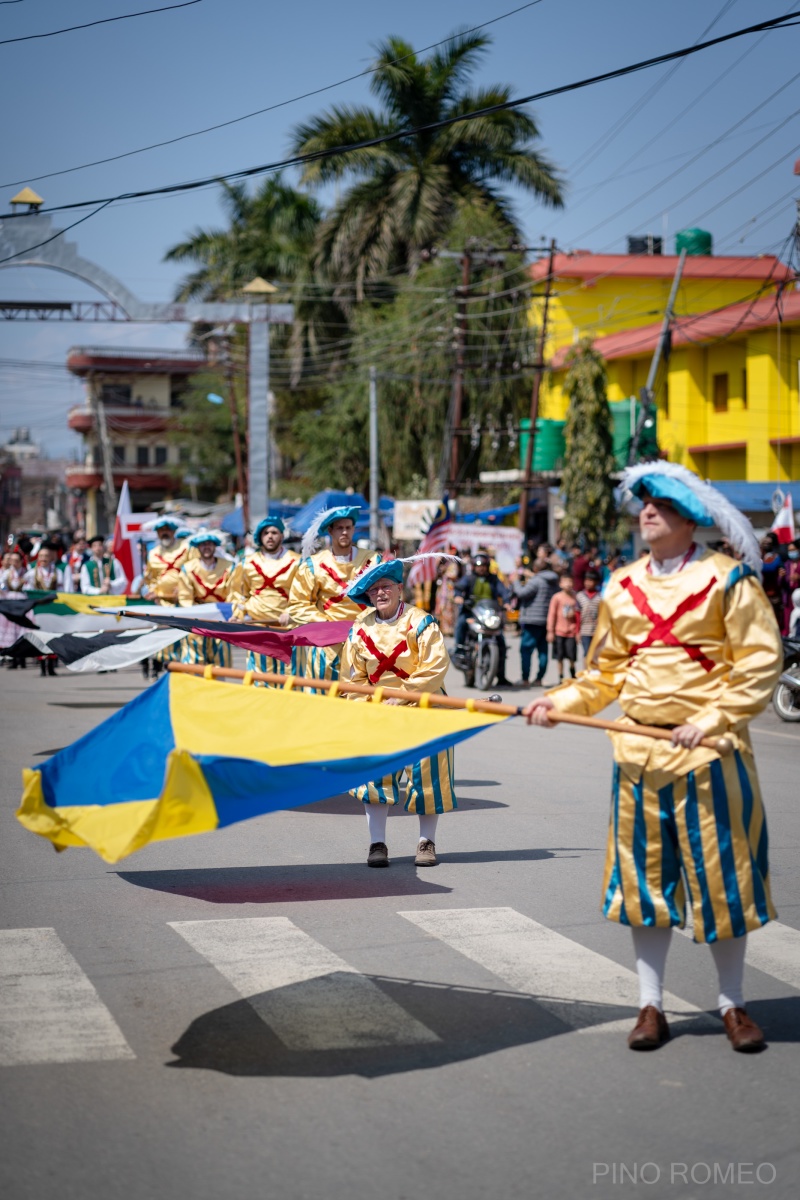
x=685 y=639
x=164 y=562
x=205 y=580
x=319 y=588
x=397 y=645
x=260 y=588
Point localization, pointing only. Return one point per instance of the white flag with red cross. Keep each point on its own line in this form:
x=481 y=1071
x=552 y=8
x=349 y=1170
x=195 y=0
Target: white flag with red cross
x=127 y=535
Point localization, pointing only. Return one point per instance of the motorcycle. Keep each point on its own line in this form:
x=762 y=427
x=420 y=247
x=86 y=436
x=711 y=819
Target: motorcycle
x=479 y=657
x=786 y=697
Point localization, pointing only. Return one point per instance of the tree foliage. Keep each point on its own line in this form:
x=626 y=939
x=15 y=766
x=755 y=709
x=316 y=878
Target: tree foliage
x=587 y=482
x=403 y=195
x=410 y=341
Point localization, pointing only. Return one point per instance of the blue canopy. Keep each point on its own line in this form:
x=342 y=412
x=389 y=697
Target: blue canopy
x=234 y=522
x=494 y=515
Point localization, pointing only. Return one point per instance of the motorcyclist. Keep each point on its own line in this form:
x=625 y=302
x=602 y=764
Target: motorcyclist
x=480 y=584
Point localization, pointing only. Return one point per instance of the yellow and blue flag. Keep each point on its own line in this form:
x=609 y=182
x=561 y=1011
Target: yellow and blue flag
x=190 y=755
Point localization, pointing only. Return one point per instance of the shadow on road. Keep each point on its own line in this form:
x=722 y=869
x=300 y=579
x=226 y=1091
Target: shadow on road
x=468 y=1022
x=279 y=884
x=346 y=806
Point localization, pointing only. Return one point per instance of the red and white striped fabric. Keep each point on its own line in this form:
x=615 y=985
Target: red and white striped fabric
x=436 y=540
x=783 y=525
x=127 y=531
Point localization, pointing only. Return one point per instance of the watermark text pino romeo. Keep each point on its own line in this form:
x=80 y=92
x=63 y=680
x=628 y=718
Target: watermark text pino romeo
x=677 y=1173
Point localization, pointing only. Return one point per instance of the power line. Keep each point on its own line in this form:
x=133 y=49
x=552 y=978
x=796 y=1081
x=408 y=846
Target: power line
x=397 y=135
x=270 y=107
x=30 y=37
x=57 y=234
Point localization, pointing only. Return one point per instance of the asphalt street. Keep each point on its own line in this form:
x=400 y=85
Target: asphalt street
x=255 y=1014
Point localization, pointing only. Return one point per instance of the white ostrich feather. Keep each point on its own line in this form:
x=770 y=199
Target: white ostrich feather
x=311 y=535
x=733 y=524
x=431 y=554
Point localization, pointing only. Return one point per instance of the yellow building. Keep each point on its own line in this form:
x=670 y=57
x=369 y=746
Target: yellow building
x=724 y=408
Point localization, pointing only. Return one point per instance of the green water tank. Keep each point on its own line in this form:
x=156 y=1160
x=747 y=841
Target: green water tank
x=694 y=241
x=548 y=448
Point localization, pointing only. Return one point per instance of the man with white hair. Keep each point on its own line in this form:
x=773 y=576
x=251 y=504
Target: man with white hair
x=686 y=640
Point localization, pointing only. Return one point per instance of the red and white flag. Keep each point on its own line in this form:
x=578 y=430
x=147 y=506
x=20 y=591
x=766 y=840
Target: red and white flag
x=435 y=540
x=127 y=529
x=783 y=525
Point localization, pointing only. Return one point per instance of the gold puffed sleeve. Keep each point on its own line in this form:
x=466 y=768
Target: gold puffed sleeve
x=185 y=589
x=302 y=595
x=753 y=644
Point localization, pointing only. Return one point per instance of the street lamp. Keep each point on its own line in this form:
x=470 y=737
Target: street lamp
x=258 y=291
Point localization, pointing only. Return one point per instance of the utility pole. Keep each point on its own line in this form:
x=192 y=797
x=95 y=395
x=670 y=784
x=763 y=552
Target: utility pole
x=458 y=376
x=646 y=394
x=110 y=495
x=538 y=371
x=374 y=461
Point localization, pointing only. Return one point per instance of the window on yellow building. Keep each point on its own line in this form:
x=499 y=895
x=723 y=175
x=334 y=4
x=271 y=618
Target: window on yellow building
x=744 y=387
x=720 y=392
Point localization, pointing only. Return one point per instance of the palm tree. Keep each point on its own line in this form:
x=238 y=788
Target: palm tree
x=404 y=194
x=270 y=233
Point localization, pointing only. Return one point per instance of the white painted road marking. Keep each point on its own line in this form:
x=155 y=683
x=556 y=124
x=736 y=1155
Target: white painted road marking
x=775 y=950
x=561 y=975
x=49 y=1010
x=309 y=997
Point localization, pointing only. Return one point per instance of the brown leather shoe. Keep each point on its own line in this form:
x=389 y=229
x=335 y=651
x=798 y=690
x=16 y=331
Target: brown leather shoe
x=426 y=854
x=650 y=1031
x=378 y=855
x=743 y=1033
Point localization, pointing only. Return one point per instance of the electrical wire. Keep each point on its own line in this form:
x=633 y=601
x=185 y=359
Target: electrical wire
x=57 y=234
x=446 y=122
x=270 y=107
x=148 y=12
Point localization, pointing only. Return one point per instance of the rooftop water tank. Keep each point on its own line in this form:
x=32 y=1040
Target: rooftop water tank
x=694 y=241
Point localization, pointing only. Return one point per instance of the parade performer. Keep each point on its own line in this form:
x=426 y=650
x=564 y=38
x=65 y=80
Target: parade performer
x=102 y=574
x=46 y=574
x=397 y=645
x=163 y=568
x=260 y=588
x=319 y=588
x=205 y=580
x=685 y=639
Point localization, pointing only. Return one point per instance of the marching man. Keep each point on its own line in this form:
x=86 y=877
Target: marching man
x=164 y=562
x=102 y=574
x=319 y=589
x=396 y=645
x=685 y=639
x=261 y=585
x=205 y=580
x=47 y=574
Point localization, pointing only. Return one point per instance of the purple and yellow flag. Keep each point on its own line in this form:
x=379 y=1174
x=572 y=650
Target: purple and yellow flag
x=190 y=755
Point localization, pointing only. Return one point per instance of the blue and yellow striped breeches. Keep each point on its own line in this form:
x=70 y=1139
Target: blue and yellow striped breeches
x=319 y=662
x=705 y=834
x=196 y=649
x=429 y=787
x=274 y=666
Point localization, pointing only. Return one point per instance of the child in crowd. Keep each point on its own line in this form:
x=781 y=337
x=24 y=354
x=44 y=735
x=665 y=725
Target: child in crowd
x=588 y=604
x=564 y=625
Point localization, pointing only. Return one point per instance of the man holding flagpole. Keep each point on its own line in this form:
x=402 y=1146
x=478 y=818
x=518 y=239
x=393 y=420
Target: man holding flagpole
x=685 y=639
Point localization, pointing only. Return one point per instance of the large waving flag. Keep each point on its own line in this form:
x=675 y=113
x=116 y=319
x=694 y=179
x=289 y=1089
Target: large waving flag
x=436 y=539
x=72 y=612
x=127 y=536
x=102 y=650
x=189 y=755
x=783 y=525
x=278 y=643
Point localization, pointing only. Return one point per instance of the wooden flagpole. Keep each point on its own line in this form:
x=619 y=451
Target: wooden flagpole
x=722 y=745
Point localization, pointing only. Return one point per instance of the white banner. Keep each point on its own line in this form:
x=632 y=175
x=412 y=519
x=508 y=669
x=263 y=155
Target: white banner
x=412 y=518
x=503 y=542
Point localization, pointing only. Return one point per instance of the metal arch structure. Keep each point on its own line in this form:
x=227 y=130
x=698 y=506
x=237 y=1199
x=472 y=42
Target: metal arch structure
x=32 y=241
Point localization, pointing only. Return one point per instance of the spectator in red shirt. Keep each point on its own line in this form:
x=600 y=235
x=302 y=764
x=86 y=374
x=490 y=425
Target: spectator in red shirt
x=564 y=625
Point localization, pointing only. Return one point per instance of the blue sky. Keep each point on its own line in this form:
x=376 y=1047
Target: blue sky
x=97 y=92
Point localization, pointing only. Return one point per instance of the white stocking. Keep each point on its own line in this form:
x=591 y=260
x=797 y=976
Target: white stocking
x=376 y=820
x=427 y=826
x=728 y=958
x=650 y=945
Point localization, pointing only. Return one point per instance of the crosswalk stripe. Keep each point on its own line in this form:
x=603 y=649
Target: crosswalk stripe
x=49 y=1010
x=309 y=997
x=774 y=949
x=563 y=976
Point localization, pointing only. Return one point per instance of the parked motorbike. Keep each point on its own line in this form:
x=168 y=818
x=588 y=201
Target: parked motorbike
x=479 y=657
x=786 y=697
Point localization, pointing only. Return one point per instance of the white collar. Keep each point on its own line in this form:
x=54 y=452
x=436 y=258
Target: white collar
x=344 y=557
x=390 y=620
x=671 y=566
x=273 y=554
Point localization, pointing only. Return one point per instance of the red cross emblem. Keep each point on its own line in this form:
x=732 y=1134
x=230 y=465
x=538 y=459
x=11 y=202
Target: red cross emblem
x=338 y=580
x=386 y=662
x=209 y=593
x=662 y=626
x=169 y=565
x=269 y=580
